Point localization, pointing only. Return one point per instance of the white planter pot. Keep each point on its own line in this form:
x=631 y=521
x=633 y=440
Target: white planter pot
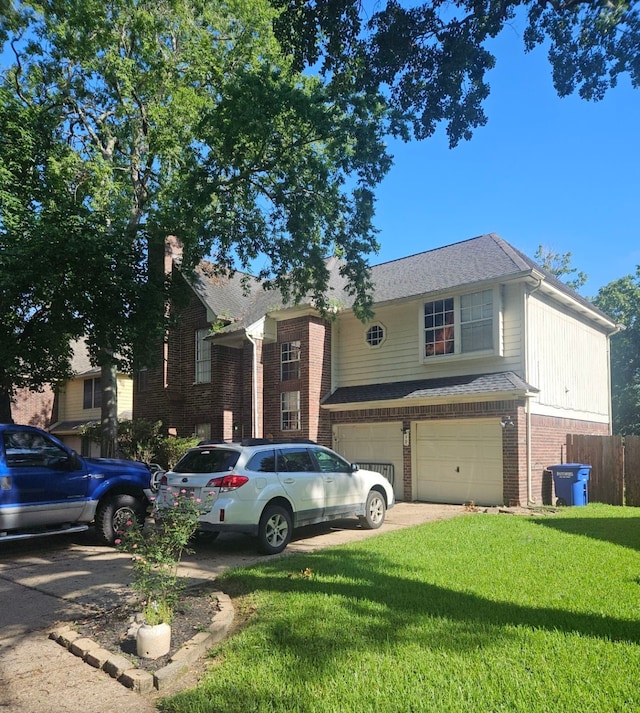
x=153 y=641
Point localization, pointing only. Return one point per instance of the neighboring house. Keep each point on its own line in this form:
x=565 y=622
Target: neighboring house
x=75 y=403
x=476 y=366
x=34 y=408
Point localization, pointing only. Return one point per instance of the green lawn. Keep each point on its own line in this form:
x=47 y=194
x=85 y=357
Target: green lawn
x=478 y=613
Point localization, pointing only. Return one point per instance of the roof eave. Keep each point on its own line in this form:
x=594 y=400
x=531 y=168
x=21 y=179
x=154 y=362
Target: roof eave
x=407 y=401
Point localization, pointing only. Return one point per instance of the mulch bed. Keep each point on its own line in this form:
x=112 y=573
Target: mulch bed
x=112 y=629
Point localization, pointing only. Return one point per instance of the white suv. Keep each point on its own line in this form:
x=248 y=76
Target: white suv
x=266 y=488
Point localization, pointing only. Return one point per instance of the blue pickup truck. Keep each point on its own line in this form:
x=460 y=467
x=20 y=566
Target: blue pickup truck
x=46 y=488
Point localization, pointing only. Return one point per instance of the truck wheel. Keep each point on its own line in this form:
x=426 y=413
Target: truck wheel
x=113 y=512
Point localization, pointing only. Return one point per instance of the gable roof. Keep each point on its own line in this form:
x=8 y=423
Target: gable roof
x=484 y=258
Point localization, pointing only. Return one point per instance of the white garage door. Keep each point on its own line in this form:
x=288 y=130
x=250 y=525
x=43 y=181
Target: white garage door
x=459 y=461
x=372 y=443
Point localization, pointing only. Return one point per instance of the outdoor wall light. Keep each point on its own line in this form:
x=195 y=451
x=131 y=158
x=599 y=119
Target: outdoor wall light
x=507 y=422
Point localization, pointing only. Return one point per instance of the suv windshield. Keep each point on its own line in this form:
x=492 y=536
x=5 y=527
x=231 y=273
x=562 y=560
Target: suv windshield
x=215 y=460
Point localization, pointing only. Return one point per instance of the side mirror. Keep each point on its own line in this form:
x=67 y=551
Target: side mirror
x=354 y=467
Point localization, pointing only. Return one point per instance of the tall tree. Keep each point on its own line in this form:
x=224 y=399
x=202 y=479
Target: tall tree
x=559 y=264
x=39 y=236
x=255 y=127
x=188 y=120
x=621 y=300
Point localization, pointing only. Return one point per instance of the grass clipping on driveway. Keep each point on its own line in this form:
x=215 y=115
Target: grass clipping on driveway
x=479 y=613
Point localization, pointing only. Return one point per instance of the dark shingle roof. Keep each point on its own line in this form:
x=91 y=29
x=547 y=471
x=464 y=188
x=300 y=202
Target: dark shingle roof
x=224 y=294
x=446 y=387
x=483 y=258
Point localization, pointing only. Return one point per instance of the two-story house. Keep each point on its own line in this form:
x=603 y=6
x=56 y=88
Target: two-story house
x=475 y=367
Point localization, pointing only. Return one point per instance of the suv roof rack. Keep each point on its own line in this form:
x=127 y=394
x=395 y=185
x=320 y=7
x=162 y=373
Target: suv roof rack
x=275 y=441
x=257 y=442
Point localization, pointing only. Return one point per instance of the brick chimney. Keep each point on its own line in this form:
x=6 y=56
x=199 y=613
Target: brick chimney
x=172 y=253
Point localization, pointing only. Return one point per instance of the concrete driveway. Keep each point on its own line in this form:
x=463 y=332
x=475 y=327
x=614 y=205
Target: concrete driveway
x=62 y=578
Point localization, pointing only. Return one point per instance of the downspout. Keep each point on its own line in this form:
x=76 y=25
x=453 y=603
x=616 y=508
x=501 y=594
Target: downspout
x=254 y=387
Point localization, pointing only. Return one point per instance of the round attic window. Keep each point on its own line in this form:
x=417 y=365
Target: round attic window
x=375 y=335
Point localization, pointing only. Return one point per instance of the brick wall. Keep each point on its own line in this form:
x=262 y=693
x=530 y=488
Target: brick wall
x=314 y=335
x=547 y=441
x=34 y=408
x=171 y=394
x=548 y=447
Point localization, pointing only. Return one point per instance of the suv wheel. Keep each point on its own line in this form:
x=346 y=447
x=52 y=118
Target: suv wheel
x=275 y=529
x=374 y=511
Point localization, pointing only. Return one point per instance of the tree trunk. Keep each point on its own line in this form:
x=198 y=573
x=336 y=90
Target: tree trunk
x=109 y=411
x=5 y=406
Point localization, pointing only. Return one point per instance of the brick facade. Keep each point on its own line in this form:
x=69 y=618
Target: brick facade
x=314 y=382
x=548 y=447
x=241 y=363
x=548 y=438
x=34 y=408
x=170 y=392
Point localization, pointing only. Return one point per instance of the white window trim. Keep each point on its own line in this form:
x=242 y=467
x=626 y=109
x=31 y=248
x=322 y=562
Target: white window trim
x=384 y=335
x=297 y=410
x=202 y=365
x=284 y=361
x=459 y=355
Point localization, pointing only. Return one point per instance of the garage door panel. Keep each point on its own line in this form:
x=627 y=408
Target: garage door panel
x=372 y=443
x=459 y=461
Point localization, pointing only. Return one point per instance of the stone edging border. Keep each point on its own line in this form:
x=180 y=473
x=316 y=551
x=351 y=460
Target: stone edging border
x=120 y=668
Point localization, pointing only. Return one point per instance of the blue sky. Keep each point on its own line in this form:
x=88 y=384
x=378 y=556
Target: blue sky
x=564 y=173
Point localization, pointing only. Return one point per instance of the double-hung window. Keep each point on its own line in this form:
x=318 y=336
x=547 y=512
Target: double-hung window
x=459 y=325
x=290 y=361
x=203 y=357
x=290 y=411
x=92 y=396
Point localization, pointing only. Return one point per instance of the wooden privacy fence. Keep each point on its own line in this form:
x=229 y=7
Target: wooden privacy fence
x=615 y=467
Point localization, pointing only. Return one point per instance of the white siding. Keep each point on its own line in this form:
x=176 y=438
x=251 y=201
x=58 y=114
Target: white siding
x=399 y=357
x=125 y=396
x=568 y=361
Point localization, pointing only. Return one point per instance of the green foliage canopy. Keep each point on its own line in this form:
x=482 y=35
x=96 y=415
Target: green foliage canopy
x=621 y=300
x=183 y=118
x=41 y=227
x=430 y=59
x=192 y=122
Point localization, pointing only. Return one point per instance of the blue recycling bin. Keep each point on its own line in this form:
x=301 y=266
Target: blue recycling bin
x=571 y=483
